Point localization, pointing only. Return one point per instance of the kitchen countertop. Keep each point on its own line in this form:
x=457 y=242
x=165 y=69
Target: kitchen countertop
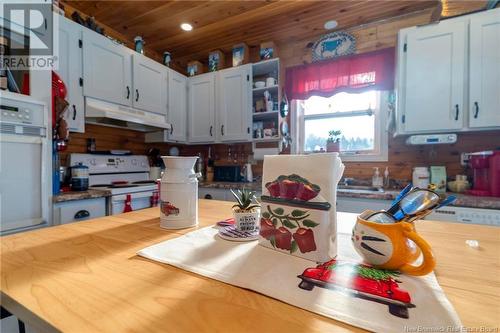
x=463 y=200
x=255 y=186
x=80 y=195
x=87 y=277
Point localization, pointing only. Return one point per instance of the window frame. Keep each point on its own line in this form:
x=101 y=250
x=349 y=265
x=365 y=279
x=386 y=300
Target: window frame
x=378 y=154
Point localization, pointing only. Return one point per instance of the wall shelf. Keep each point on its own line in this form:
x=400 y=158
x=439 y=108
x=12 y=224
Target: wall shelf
x=271 y=89
x=265 y=115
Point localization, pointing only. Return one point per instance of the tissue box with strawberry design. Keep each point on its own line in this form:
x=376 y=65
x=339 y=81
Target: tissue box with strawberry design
x=298 y=214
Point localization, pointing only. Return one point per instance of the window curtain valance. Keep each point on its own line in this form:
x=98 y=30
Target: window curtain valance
x=355 y=73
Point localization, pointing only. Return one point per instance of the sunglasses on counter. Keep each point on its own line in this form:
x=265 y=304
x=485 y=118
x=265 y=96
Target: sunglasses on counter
x=411 y=204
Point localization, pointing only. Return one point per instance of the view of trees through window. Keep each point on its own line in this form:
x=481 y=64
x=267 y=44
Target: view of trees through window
x=350 y=113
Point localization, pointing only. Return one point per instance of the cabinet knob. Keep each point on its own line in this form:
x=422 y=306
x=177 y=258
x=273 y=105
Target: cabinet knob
x=137 y=95
x=208 y=196
x=457 y=111
x=74 y=112
x=171 y=129
x=128 y=92
x=211 y=128
x=222 y=129
x=476 y=112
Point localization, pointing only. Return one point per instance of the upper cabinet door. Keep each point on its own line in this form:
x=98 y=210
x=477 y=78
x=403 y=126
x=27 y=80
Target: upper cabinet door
x=484 y=100
x=150 y=85
x=434 y=80
x=234 y=109
x=201 y=106
x=107 y=69
x=69 y=69
x=177 y=106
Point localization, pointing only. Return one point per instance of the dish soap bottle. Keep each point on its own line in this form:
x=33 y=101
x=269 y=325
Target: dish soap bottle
x=377 y=180
x=386 y=177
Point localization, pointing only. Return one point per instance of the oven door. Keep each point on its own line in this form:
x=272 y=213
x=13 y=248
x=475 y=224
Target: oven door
x=140 y=200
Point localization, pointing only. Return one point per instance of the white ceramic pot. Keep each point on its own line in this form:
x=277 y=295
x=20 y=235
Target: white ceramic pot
x=247 y=221
x=179 y=193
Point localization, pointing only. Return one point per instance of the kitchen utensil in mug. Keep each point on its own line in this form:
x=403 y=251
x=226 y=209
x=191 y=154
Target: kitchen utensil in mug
x=271 y=81
x=394 y=246
x=415 y=201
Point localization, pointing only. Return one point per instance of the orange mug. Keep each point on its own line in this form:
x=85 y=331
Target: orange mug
x=394 y=246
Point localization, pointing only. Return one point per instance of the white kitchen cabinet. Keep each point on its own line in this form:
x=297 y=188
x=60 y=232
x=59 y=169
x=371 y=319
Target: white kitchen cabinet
x=484 y=71
x=201 y=108
x=150 y=84
x=234 y=104
x=69 y=68
x=358 y=205
x=107 y=69
x=177 y=106
x=223 y=194
x=433 y=83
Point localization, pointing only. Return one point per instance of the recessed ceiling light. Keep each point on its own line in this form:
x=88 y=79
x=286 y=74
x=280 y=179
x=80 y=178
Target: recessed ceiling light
x=329 y=25
x=186 y=27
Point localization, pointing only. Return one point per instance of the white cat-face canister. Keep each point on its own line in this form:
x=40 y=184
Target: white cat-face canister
x=179 y=193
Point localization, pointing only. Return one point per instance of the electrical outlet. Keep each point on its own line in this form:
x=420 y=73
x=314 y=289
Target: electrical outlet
x=464 y=159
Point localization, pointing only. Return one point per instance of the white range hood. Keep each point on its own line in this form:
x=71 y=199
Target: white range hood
x=114 y=115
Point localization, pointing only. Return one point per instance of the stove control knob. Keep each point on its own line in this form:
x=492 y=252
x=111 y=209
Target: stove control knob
x=92 y=161
x=134 y=162
x=143 y=164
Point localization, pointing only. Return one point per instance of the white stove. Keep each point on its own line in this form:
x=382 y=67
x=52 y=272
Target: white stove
x=122 y=175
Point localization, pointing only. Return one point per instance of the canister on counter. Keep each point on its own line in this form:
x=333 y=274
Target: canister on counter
x=79 y=177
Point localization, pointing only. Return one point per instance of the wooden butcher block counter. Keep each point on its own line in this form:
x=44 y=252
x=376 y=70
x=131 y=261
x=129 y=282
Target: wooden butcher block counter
x=86 y=277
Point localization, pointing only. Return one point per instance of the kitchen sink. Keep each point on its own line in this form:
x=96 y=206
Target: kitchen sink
x=360 y=189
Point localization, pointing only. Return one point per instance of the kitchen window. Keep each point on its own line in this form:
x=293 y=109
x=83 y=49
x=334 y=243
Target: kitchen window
x=361 y=118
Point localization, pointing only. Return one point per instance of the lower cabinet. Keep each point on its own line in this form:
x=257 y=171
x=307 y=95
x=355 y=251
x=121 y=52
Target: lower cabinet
x=358 y=205
x=78 y=210
x=219 y=193
x=213 y=194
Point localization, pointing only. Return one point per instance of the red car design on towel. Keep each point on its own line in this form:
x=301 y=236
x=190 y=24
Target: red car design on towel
x=360 y=281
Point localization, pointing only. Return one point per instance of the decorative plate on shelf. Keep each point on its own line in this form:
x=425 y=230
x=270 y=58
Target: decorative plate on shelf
x=333 y=45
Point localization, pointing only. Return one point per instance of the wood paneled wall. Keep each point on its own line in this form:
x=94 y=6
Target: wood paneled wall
x=402 y=158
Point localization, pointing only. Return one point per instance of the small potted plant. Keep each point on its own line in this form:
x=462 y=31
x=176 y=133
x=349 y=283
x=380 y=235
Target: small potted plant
x=333 y=141
x=246 y=211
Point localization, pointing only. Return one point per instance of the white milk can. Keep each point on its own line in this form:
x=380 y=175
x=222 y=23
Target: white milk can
x=179 y=193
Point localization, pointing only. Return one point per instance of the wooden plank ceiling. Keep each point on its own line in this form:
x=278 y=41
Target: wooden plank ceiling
x=221 y=24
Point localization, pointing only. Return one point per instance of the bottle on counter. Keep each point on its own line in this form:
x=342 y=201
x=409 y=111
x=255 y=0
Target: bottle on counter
x=386 y=177
x=209 y=176
x=200 y=165
x=421 y=177
x=377 y=180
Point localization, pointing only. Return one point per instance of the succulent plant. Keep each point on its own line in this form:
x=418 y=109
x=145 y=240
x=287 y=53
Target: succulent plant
x=245 y=199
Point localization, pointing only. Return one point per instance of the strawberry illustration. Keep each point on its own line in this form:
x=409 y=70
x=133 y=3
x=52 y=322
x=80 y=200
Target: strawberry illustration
x=306 y=191
x=288 y=188
x=305 y=240
x=283 y=238
x=273 y=188
x=267 y=229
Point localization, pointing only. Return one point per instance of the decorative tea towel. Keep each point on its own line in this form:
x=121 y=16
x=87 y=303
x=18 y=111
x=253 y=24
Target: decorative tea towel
x=298 y=204
x=342 y=289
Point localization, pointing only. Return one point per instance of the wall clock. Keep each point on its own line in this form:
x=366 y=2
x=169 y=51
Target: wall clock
x=333 y=45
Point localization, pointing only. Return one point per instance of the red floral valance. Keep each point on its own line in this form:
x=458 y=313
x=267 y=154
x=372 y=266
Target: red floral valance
x=355 y=73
